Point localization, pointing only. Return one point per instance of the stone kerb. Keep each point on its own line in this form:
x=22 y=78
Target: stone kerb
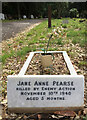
x=46 y=93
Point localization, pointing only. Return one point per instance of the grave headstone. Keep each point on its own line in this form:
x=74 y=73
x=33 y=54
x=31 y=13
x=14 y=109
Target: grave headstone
x=2 y=17
x=24 y=16
x=65 y=21
x=45 y=93
x=32 y=17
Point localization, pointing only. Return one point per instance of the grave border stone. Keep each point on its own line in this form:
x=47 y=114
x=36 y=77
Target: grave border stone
x=22 y=74
x=66 y=58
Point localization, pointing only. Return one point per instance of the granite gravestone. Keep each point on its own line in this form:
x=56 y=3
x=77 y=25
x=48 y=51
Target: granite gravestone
x=65 y=21
x=32 y=17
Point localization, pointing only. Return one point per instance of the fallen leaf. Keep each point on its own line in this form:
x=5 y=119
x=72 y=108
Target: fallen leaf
x=53 y=116
x=4 y=101
x=80 y=113
x=66 y=113
x=77 y=118
x=85 y=111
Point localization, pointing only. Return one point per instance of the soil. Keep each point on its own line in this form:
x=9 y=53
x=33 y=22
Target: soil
x=59 y=66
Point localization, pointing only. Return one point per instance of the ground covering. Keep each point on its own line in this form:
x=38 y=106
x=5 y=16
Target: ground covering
x=58 y=66
x=15 y=51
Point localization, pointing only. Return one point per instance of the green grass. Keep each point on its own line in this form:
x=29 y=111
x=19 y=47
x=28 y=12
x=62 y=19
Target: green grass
x=7 y=55
x=0 y=58
x=29 y=34
x=53 y=49
x=37 y=38
x=41 y=45
x=9 y=45
x=64 y=25
x=77 y=32
x=23 y=51
x=20 y=41
x=72 y=33
x=83 y=63
x=72 y=55
x=59 y=41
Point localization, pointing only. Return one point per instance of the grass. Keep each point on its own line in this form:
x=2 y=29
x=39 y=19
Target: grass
x=20 y=41
x=77 y=33
x=72 y=33
x=59 y=41
x=64 y=25
x=41 y=45
x=6 y=55
x=23 y=51
x=83 y=63
x=53 y=49
x=29 y=34
x=37 y=38
x=72 y=54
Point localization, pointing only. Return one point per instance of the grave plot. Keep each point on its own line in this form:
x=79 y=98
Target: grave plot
x=59 y=66
x=45 y=93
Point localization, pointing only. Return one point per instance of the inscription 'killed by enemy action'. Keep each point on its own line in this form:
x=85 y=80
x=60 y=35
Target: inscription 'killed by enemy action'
x=58 y=88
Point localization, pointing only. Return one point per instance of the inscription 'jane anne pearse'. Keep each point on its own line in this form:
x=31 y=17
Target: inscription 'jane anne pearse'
x=38 y=83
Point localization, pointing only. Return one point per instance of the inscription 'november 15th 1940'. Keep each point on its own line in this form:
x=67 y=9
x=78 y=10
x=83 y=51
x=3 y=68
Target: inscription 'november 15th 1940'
x=57 y=90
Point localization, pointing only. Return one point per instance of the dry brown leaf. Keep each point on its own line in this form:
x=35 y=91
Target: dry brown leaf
x=80 y=113
x=66 y=113
x=25 y=117
x=85 y=111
